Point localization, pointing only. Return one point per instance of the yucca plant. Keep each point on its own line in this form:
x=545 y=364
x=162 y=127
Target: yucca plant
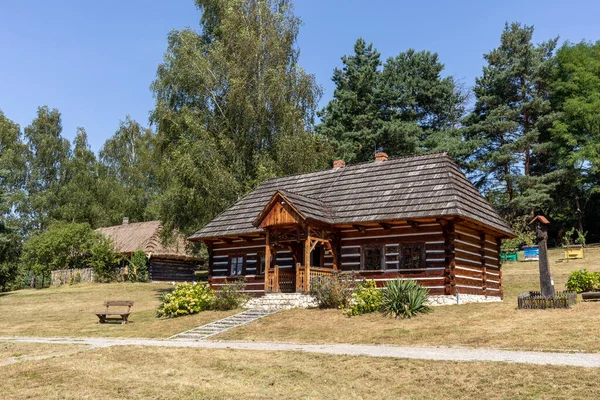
x=404 y=299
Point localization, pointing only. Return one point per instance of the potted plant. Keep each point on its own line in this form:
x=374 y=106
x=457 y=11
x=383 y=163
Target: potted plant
x=574 y=248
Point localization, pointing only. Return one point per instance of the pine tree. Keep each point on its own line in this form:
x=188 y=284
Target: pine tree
x=350 y=118
x=512 y=108
x=416 y=102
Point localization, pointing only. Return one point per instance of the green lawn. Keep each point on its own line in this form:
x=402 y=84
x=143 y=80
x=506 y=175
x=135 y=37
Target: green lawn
x=68 y=311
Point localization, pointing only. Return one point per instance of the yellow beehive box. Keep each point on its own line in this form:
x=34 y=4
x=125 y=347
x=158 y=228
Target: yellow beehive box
x=574 y=252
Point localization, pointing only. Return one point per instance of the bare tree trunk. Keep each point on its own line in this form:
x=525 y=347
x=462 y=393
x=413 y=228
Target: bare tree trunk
x=579 y=214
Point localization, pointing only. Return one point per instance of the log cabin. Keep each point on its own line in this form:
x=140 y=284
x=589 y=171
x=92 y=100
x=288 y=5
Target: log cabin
x=415 y=217
x=171 y=261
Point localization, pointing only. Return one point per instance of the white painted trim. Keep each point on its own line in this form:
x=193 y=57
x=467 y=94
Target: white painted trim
x=467 y=243
x=467 y=234
x=469 y=261
x=394 y=236
x=438 y=242
x=434 y=251
x=467 y=269
x=435 y=260
x=350 y=247
x=469 y=286
x=469 y=277
x=238 y=248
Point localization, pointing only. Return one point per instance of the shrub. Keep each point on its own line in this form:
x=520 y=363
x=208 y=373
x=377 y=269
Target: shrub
x=61 y=246
x=231 y=296
x=404 y=298
x=104 y=260
x=185 y=299
x=333 y=291
x=583 y=281
x=366 y=299
x=138 y=267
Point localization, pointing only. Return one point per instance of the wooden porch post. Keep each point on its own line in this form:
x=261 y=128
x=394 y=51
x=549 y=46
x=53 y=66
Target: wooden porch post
x=267 y=261
x=307 y=263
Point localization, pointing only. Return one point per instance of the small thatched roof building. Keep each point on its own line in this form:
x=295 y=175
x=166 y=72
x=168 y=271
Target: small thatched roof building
x=172 y=261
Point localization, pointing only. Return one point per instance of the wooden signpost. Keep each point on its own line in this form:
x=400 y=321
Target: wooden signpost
x=540 y=225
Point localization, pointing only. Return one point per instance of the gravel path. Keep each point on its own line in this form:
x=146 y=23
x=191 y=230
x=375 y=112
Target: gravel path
x=425 y=353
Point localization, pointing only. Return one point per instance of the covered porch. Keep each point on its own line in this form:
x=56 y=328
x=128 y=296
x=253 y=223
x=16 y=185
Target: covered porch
x=289 y=223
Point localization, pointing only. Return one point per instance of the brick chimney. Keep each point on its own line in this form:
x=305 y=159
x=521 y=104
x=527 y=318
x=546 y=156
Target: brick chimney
x=339 y=164
x=381 y=157
x=125 y=220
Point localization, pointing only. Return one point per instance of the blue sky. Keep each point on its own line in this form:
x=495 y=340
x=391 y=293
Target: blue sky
x=95 y=60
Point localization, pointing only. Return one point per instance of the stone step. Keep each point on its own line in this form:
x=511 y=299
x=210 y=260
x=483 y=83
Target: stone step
x=216 y=327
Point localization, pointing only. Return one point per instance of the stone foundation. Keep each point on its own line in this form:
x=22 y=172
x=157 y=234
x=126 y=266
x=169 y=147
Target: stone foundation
x=281 y=301
x=286 y=301
x=447 y=300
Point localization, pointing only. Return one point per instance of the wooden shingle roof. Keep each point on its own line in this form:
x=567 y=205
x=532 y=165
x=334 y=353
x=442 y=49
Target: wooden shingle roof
x=422 y=186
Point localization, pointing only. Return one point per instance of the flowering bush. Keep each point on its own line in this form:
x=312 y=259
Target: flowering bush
x=186 y=298
x=366 y=299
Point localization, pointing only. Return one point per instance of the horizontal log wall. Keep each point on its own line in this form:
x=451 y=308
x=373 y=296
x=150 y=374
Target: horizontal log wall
x=254 y=285
x=477 y=267
x=161 y=269
x=432 y=275
x=219 y=264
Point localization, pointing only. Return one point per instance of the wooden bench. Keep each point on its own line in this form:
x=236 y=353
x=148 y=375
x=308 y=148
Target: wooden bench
x=123 y=315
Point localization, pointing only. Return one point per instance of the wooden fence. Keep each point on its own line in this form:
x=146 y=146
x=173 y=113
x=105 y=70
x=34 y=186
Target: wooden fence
x=535 y=300
x=70 y=276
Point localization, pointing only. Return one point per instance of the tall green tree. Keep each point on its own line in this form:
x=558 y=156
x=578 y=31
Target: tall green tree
x=406 y=107
x=350 y=118
x=575 y=134
x=230 y=102
x=512 y=109
x=128 y=174
x=12 y=157
x=10 y=244
x=47 y=157
x=80 y=199
x=416 y=102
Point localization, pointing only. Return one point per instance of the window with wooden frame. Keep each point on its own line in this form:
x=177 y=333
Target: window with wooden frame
x=412 y=256
x=236 y=265
x=372 y=259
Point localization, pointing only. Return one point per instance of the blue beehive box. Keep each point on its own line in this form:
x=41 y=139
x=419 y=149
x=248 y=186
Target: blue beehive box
x=531 y=253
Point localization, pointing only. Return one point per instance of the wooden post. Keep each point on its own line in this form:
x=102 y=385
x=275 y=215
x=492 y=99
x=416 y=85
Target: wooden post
x=483 y=266
x=306 y=263
x=267 y=261
x=540 y=225
x=498 y=250
x=450 y=259
x=276 y=279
